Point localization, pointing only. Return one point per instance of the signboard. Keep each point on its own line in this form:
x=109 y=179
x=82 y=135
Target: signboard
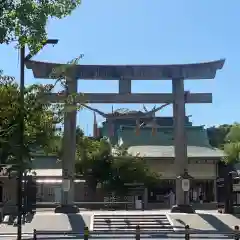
x=66 y=185
x=236 y=187
x=185 y=185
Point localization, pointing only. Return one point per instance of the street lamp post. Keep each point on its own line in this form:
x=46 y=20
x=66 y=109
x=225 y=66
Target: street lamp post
x=23 y=59
x=21 y=144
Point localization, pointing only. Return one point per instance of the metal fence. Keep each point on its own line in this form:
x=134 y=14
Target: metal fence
x=138 y=234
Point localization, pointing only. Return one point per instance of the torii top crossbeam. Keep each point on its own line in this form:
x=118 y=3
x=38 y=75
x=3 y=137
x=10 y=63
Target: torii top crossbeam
x=205 y=70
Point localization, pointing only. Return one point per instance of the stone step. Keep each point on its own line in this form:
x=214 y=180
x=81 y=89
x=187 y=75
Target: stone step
x=130 y=216
x=156 y=229
x=131 y=220
x=130 y=223
x=133 y=226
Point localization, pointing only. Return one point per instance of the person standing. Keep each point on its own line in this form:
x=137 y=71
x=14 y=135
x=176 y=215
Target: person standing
x=171 y=198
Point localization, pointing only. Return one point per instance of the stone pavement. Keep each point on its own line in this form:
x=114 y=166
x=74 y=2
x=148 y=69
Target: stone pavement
x=54 y=222
x=126 y=237
x=204 y=221
x=50 y=223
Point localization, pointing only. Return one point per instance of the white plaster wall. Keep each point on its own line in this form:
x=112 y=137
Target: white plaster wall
x=198 y=171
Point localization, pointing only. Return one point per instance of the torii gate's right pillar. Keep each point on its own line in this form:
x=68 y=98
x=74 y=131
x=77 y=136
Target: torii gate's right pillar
x=195 y=71
x=180 y=139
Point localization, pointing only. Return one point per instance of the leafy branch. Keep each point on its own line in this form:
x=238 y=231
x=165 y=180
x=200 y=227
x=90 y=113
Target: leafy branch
x=25 y=21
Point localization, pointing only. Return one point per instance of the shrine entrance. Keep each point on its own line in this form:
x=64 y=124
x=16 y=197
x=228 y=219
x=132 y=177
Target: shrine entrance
x=125 y=74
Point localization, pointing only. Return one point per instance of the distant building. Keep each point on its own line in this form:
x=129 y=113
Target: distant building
x=48 y=174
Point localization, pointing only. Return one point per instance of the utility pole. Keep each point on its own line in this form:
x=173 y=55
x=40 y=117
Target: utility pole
x=23 y=59
x=21 y=144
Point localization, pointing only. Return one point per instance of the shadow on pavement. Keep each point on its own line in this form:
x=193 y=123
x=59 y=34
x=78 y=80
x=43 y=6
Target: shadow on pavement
x=77 y=224
x=216 y=223
x=197 y=233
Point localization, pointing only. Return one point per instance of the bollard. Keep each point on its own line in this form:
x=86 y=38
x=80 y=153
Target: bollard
x=34 y=234
x=137 y=232
x=86 y=233
x=236 y=232
x=187 y=235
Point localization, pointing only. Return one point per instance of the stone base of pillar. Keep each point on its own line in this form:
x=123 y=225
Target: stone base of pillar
x=182 y=209
x=66 y=209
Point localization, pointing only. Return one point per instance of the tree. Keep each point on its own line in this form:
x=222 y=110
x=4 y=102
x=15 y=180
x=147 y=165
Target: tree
x=40 y=119
x=227 y=138
x=128 y=169
x=111 y=167
x=232 y=145
x=25 y=21
x=93 y=162
x=217 y=135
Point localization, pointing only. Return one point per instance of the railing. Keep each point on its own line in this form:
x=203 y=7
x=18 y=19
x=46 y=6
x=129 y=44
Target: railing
x=186 y=234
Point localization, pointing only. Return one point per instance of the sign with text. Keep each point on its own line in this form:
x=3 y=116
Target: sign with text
x=185 y=185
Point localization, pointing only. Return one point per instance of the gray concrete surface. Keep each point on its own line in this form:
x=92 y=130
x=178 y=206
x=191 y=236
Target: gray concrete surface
x=126 y=237
x=54 y=222
x=205 y=221
x=52 y=226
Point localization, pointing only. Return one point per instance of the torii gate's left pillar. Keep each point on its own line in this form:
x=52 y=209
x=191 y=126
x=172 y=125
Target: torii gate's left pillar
x=69 y=151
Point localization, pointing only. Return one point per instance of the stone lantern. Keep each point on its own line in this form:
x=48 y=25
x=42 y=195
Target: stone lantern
x=185 y=179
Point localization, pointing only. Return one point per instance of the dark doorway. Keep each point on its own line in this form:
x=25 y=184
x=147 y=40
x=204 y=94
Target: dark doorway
x=1 y=193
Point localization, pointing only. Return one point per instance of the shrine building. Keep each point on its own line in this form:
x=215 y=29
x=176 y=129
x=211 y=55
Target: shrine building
x=156 y=145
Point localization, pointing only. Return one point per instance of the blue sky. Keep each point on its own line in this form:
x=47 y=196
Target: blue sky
x=149 y=32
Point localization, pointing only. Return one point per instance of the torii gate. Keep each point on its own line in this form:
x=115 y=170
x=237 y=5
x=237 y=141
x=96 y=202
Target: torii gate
x=125 y=73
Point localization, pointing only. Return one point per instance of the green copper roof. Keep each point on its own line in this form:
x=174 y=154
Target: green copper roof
x=196 y=136
x=162 y=144
x=168 y=151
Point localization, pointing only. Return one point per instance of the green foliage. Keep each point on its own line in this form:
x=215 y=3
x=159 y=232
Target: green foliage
x=93 y=158
x=217 y=135
x=113 y=167
x=72 y=101
x=227 y=138
x=232 y=145
x=128 y=169
x=25 y=20
x=233 y=133
x=40 y=121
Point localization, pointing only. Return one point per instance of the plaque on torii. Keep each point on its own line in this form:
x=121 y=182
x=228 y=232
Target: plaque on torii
x=125 y=74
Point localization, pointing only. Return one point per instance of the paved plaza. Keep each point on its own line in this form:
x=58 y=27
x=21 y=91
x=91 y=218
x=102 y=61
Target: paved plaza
x=61 y=226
